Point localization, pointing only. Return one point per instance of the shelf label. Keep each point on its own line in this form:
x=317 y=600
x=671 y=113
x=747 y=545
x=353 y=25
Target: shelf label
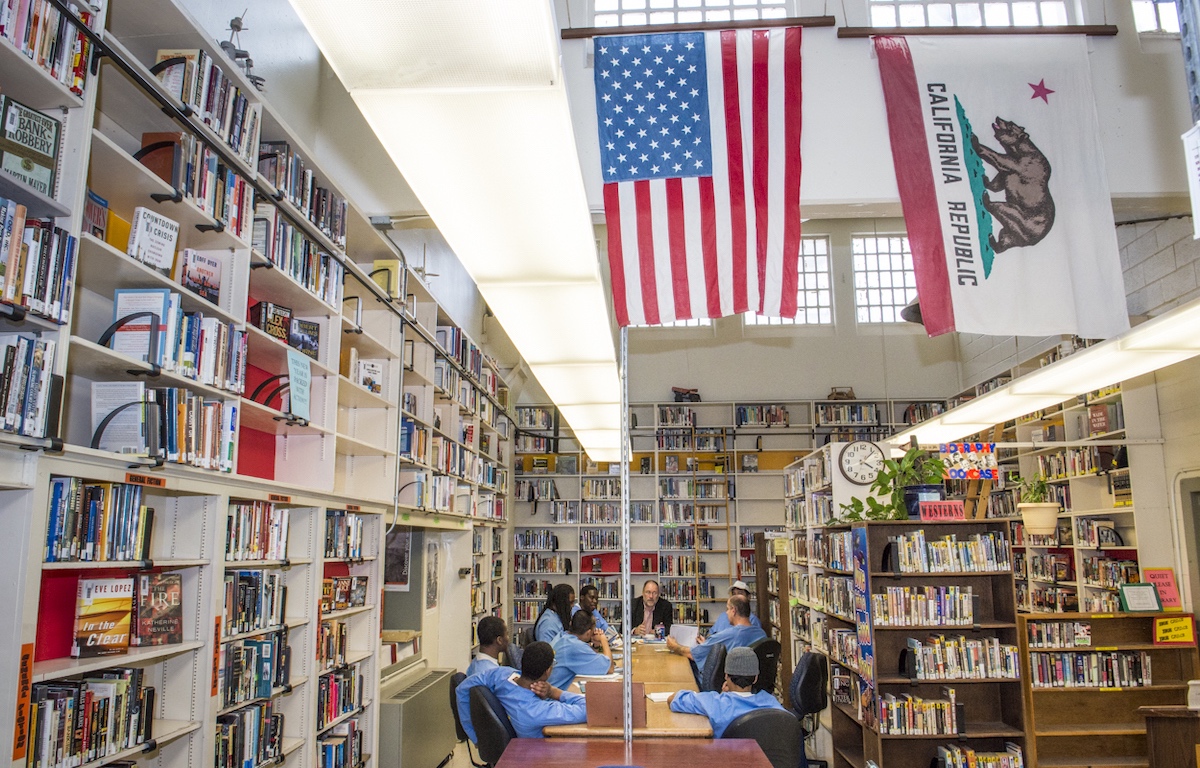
x=279 y=497
x=1175 y=630
x=21 y=721
x=299 y=383
x=1163 y=580
x=781 y=546
x=147 y=480
x=932 y=511
x=353 y=508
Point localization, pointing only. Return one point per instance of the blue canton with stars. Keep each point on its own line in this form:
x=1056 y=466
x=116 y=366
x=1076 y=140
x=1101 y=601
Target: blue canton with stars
x=652 y=106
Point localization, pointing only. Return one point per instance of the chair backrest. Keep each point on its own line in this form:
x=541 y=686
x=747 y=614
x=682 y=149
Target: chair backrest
x=528 y=636
x=777 y=732
x=493 y=730
x=712 y=677
x=455 y=679
x=768 y=651
x=514 y=652
x=810 y=685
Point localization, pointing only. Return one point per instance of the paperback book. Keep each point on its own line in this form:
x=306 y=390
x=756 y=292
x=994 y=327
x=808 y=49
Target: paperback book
x=370 y=375
x=102 y=617
x=201 y=271
x=273 y=319
x=29 y=142
x=133 y=338
x=95 y=215
x=152 y=239
x=305 y=336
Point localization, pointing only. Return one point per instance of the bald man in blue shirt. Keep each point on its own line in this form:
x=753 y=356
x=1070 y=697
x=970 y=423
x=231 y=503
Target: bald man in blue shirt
x=531 y=702
x=740 y=633
x=736 y=697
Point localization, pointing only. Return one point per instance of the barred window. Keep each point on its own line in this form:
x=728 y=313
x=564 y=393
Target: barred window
x=884 y=281
x=814 y=297
x=932 y=13
x=1156 y=16
x=625 y=13
x=696 y=322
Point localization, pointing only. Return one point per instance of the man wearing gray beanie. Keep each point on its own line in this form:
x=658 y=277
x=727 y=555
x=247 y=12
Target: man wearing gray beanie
x=735 y=698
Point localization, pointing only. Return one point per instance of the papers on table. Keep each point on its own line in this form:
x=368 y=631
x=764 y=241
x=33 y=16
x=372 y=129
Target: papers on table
x=659 y=697
x=685 y=634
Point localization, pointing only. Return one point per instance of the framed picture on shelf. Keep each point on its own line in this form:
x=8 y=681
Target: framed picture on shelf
x=1140 y=597
x=568 y=465
x=670 y=463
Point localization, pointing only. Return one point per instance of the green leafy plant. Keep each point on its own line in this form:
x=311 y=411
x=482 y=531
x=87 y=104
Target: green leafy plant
x=1035 y=490
x=869 y=509
x=915 y=467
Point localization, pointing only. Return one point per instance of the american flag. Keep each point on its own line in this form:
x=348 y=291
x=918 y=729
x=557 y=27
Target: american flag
x=700 y=154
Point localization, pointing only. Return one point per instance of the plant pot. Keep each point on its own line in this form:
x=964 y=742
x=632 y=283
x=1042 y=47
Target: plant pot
x=915 y=494
x=1039 y=519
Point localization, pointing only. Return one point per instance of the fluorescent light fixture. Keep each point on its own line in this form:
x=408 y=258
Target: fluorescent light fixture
x=1164 y=340
x=467 y=97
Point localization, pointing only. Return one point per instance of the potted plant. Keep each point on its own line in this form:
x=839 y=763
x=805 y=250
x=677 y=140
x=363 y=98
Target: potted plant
x=915 y=477
x=1039 y=515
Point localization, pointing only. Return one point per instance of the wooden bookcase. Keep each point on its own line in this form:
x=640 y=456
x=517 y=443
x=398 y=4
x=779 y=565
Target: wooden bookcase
x=1082 y=726
x=774 y=612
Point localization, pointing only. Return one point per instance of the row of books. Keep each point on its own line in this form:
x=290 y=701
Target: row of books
x=847 y=413
x=193 y=77
x=913 y=715
x=672 y=415
x=338 y=693
x=342 y=592
x=73 y=722
x=959 y=658
x=544 y=540
x=113 y=614
x=531 y=444
x=343 y=534
x=1059 y=634
x=256 y=530
x=687 y=488
x=677 y=565
x=50 y=40
x=834 y=550
x=536 y=490
x=251 y=736
x=202 y=348
x=37 y=261
x=194 y=170
x=535 y=417
x=949 y=554
x=94 y=522
x=842 y=645
x=29 y=391
x=295 y=255
x=460 y=348
x=924 y=606
x=835 y=594
x=761 y=416
x=534 y=588
x=276 y=321
x=955 y=756
x=431 y=491
x=1093 y=532
x=175 y=424
x=681 y=538
x=252 y=668
x=343 y=748
x=254 y=599
x=1095 y=669
x=1039 y=599
x=333 y=641
x=1071 y=462
x=531 y=562
x=1109 y=573
x=284 y=168
x=686 y=613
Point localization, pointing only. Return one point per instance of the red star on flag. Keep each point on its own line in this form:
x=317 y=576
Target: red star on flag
x=1040 y=91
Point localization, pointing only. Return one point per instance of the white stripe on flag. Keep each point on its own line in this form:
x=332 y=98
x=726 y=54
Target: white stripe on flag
x=745 y=78
x=692 y=237
x=629 y=254
x=667 y=311
x=777 y=150
x=720 y=179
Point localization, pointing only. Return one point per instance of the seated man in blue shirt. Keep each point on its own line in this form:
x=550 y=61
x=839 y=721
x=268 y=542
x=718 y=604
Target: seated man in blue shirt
x=531 y=702
x=740 y=634
x=738 y=587
x=735 y=698
x=493 y=640
x=574 y=655
x=589 y=598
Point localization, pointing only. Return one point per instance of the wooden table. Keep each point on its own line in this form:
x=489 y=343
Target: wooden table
x=648 y=753
x=1172 y=733
x=661 y=672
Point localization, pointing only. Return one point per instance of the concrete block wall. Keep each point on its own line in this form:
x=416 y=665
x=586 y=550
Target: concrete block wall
x=1161 y=264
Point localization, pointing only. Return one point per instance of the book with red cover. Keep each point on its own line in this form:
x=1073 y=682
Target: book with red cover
x=158 y=609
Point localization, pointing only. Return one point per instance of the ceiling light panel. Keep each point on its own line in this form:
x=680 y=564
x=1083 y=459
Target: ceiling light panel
x=435 y=43
x=578 y=383
x=554 y=323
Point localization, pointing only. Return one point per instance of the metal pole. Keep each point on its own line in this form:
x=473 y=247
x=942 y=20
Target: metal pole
x=626 y=583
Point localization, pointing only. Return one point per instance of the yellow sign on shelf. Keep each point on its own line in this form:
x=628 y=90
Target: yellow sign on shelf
x=1175 y=630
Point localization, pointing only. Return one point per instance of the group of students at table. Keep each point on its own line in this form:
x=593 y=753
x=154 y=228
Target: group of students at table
x=573 y=639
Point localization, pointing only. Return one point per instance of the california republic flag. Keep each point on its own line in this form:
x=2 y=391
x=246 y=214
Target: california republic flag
x=1001 y=175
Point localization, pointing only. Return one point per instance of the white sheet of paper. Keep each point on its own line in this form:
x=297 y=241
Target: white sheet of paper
x=663 y=696
x=685 y=634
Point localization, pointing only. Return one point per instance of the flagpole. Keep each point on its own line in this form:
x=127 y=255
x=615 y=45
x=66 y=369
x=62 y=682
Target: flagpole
x=627 y=586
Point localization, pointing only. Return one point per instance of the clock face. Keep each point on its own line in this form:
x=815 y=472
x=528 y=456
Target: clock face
x=860 y=462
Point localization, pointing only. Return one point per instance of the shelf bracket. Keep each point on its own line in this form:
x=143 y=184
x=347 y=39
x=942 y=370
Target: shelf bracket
x=162 y=197
x=147 y=564
x=15 y=312
x=267 y=265
x=388 y=290
x=216 y=226
x=149 y=746
x=156 y=460
x=151 y=352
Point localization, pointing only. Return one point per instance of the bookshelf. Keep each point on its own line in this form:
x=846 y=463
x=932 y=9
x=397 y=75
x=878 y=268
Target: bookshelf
x=774 y=611
x=855 y=600
x=293 y=242
x=1095 y=720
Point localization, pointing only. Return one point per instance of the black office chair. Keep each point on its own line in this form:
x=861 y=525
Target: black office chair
x=768 y=651
x=777 y=732
x=493 y=730
x=712 y=677
x=513 y=655
x=455 y=679
x=809 y=689
x=528 y=636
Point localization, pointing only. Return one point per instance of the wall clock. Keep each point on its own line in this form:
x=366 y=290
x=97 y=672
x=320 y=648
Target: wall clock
x=860 y=462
